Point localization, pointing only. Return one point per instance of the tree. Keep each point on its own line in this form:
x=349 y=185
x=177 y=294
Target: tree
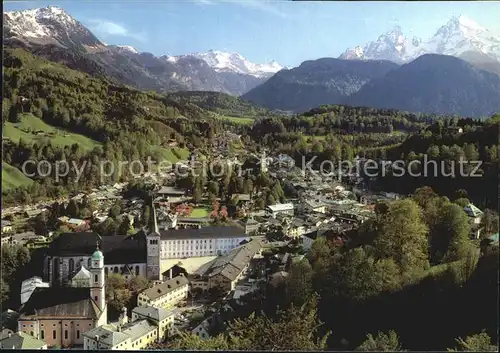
x=4 y=291
x=299 y=283
x=489 y=222
x=72 y=210
x=449 y=237
x=115 y=211
x=40 y=223
x=480 y=342
x=137 y=283
x=213 y=187
x=402 y=236
x=146 y=216
x=117 y=294
x=197 y=194
x=382 y=342
x=296 y=328
x=124 y=227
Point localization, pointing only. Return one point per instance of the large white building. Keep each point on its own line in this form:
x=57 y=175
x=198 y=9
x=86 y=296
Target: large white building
x=208 y=241
x=280 y=208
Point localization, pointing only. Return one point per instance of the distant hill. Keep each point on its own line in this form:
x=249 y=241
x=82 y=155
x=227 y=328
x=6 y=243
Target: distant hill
x=316 y=82
x=437 y=84
x=220 y=103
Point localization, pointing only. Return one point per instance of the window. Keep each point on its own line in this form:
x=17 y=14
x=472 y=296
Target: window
x=137 y=270
x=42 y=334
x=96 y=278
x=71 y=265
x=31 y=333
x=77 y=334
x=65 y=334
x=95 y=298
x=54 y=334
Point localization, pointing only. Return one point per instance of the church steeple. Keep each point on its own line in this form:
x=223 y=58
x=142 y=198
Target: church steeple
x=97 y=280
x=153 y=248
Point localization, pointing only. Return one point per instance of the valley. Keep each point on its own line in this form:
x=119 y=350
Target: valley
x=194 y=199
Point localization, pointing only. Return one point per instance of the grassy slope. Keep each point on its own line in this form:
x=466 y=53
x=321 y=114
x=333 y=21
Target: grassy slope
x=29 y=123
x=13 y=177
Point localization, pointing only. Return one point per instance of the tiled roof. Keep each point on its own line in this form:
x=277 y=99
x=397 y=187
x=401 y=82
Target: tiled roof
x=165 y=287
x=21 y=340
x=281 y=207
x=230 y=265
x=202 y=233
x=61 y=302
x=117 y=249
x=472 y=211
x=170 y=190
x=157 y=314
x=108 y=335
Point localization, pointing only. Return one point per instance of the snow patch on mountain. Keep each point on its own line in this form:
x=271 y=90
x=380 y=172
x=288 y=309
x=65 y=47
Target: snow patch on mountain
x=127 y=48
x=49 y=23
x=458 y=36
x=29 y=23
x=233 y=62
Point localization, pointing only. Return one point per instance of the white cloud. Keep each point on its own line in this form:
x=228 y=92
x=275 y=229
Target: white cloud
x=108 y=28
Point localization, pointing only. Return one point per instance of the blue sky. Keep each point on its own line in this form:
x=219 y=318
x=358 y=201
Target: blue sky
x=288 y=32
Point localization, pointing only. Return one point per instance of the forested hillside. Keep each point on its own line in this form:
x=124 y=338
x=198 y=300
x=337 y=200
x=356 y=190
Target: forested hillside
x=124 y=123
x=221 y=103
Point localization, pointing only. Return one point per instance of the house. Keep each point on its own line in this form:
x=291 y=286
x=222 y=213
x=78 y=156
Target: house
x=166 y=294
x=163 y=319
x=21 y=340
x=191 y=222
x=75 y=223
x=172 y=272
x=225 y=271
x=295 y=229
x=170 y=193
x=314 y=206
x=25 y=238
x=6 y=227
x=251 y=225
x=60 y=316
x=135 y=335
x=308 y=239
x=281 y=208
x=241 y=198
x=34 y=212
x=475 y=214
x=167 y=220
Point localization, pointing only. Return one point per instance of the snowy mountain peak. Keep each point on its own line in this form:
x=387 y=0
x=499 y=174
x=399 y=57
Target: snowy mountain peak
x=458 y=36
x=234 y=62
x=48 y=24
x=127 y=48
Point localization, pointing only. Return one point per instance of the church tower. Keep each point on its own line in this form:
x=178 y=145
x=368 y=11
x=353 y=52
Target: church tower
x=153 y=248
x=97 y=281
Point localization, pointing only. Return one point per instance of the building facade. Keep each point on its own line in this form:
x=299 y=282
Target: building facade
x=165 y=295
x=60 y=316
x=207 y=241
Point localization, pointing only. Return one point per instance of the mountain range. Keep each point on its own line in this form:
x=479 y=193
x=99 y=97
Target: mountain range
x=409 y=69
x=52 y=33
x=460 y=37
